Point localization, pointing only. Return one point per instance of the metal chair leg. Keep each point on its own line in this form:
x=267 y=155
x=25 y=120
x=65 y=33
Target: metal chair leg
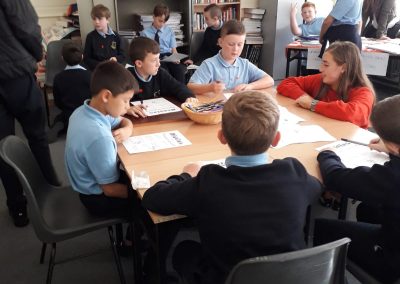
x=51 y=263
x=116 y=256
x=43 y=253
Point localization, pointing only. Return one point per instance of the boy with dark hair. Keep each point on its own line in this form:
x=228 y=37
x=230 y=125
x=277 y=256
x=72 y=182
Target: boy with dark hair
x=103 y=43
x=165 y=37
x=246 y=209
x=227 y=70
x=95 y=129
x=153 y=81
x=72 y=85
x=374 y=247
x=209 y=46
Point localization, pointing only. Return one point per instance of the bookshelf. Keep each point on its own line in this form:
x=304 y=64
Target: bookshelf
x=230 y=10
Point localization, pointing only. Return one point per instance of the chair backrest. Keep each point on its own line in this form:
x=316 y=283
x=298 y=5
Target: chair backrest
x=195 y=42
x=125 y=43
x=318 y=265
x=16 y=153
x=54 y=62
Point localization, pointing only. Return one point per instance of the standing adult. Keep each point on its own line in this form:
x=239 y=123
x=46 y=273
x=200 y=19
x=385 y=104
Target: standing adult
x=343 y=23
x=21 y=98
x=377 y=18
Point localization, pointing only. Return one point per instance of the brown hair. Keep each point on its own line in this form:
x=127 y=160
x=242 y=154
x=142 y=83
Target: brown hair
x=141 y=46
x=249 y=122
x=385 y=119
x=114 y=77
x=100 y=11
x=308 y=4
x=72 y=53
x=215 y=10
x=234 y=27
x=160 y=10
x=345 y=52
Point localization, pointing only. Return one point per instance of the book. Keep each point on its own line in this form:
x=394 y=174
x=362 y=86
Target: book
x=174 y=57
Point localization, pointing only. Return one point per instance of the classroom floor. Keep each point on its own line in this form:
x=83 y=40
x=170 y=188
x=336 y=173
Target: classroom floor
x=20 y=249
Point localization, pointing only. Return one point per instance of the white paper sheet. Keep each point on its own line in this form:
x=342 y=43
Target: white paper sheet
x=286 y=117
x=296 y=134
x=354 y=155
x=219 y=162
x=155 y=141
x=174 y=57
x=158 y=106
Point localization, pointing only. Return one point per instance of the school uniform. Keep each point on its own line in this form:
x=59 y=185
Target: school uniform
x=160 y=85
x=347 y=15
x=374 y=247
x=356 y=109
x=242 y=71
x=101 y=46
x=251 y=208
x=209 y=46
x=311 y=28
x=71 y=88
x=167 y=41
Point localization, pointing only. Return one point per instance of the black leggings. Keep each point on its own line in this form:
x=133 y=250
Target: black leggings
x=342 y=33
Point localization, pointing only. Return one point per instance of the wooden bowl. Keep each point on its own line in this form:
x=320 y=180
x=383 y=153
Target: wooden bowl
x=209 y=117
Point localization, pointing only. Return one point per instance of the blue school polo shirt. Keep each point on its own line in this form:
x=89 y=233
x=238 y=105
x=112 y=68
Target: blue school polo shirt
x=90 y=150
x=346 y=12
x=242 y=71
x=166 y=36
x=311 y=28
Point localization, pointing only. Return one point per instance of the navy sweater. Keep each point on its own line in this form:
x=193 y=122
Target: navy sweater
x=241 y=212
x=209 y=46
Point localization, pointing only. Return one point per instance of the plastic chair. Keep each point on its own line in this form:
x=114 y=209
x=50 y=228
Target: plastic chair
x=360 y=274
x=195 y=43
x=56 y=212
x=54 y=65
x=318 y=265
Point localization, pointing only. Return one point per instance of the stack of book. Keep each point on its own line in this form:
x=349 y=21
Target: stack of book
x=252 y=18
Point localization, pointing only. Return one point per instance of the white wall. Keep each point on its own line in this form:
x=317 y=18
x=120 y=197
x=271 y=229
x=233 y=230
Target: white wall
x=50 y=10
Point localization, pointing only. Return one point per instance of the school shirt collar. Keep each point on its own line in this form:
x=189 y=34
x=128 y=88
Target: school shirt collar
x=312 y=21
x=247 y=161
x=141 y=78
x=155 y=30
x=226 y=64
x=92 y=112
x=71 y=67
x=109 y=32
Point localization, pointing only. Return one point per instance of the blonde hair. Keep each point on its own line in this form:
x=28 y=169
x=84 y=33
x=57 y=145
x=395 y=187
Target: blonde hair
x=347 y=53
x=249 y=122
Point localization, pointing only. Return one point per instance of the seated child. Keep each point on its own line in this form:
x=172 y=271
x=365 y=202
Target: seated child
x=227 y=70
x=94 y=130
x=374 y=247
x=153 y=81
x=71 y=86
x=209 y=47
x=253 y=207
x=311 y=26
x=165 y=37
x=342 y=91
x=103 y=43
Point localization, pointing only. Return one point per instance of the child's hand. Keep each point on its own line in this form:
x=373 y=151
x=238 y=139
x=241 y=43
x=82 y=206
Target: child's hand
x=304 y=101
x=122 y=134
x=188 y=62
x=192 y=168
x=137 y=111
x=242 y=87
x=378 y=145
x=191 y=100
x=293 y=9
x=217 y=87
x=113 y=59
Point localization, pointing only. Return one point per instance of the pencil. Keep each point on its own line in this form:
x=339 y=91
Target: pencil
x=354 y=142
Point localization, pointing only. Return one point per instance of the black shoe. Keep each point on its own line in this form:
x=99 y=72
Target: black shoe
x=19 y=216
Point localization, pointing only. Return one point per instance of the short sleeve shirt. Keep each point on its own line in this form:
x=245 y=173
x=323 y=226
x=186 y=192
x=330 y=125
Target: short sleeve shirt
x=242 y=71
x=347 y=12
x=90 y=150
x=166 y=36
x=312 y=28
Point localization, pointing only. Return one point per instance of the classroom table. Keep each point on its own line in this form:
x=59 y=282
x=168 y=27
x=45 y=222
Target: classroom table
x=159 y=165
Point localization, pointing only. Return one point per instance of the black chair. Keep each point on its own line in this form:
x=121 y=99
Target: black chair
x=54 y=65
x=195 y=43
x=360 y=274
x=318 y=265
x=56 y=212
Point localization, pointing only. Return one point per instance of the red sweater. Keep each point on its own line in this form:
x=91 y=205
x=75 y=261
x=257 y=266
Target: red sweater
x=357 y=110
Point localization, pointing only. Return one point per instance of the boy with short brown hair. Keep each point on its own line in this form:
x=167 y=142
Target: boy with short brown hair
x=253 y=207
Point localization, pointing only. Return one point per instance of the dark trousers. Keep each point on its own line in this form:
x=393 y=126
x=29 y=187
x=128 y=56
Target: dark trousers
x=186 y=261
x=22 y=99
x=365 y=248
x=342 y=33
x=177 y=71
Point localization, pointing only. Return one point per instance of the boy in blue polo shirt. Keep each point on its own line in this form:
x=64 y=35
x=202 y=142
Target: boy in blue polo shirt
x=227 y=70
x=165 y=37
x=311 y=26
x=94 y=130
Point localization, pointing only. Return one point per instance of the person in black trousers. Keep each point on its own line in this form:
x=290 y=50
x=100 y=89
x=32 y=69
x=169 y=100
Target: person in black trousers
x=374 y=247
x=21 y=98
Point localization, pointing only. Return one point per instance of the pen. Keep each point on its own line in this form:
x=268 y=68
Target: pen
x=354 y=142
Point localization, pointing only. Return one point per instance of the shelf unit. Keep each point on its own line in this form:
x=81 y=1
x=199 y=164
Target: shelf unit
x=230 y=10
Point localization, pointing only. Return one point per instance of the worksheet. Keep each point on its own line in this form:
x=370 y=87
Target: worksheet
x=157 y=106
